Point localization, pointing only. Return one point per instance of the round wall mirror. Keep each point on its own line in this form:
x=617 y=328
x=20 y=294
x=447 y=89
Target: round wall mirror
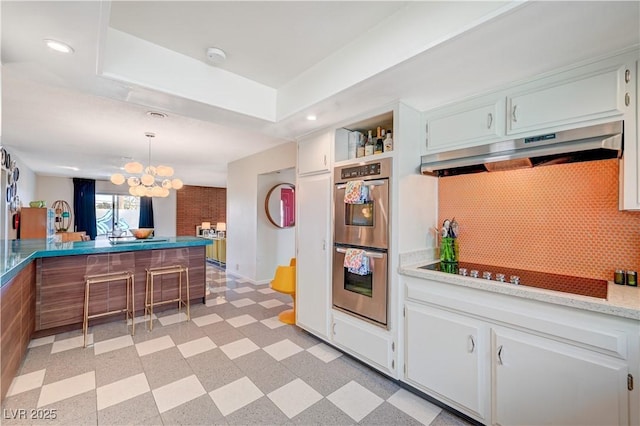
x=280 y=205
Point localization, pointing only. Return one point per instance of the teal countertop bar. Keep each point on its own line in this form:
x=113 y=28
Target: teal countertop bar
x=16 y=254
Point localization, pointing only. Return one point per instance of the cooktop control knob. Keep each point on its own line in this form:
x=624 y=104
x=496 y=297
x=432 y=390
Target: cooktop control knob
x=500 y=277
x=474 y=273
x=486 y=275
x=514 y=279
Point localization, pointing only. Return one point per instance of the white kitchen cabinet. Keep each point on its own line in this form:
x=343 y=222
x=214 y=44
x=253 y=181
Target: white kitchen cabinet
x=542 y=381
x=446 y=354
x=369 y=343
x=314 y=153
x=569 y=98
x=535 y=363
x=313 y=197
x=470 y=124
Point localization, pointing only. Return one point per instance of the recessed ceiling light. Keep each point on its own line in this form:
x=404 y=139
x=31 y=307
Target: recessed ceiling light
x=58 y=46
x=156 y=114
x=75 y=169
x=311 y=117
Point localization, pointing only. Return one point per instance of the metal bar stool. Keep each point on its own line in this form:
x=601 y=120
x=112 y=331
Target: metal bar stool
x=148 y=292
x=128 y=279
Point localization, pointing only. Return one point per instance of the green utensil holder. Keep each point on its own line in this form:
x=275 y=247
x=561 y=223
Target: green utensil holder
x=449 y=250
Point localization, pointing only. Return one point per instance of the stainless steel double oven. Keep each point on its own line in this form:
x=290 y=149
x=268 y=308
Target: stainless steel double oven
x=362 y=226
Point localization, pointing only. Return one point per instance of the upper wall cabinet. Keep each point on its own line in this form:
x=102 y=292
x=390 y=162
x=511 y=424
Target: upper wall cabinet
x=314 y=153
x=470 y=124
x=568 y=99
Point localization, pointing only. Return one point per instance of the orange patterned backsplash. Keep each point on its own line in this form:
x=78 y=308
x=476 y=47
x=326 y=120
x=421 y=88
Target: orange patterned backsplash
x=561 y=219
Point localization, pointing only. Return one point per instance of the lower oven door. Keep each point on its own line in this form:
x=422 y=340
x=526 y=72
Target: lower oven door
x=362 y=295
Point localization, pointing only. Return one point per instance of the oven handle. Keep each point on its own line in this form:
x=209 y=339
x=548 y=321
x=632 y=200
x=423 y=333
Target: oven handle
x=366 y=253
x=366 y=182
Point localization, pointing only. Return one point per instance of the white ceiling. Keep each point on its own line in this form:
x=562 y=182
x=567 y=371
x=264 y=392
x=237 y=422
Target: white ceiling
x=284 y=60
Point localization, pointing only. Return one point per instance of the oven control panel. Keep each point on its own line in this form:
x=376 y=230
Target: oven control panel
x=372 y=169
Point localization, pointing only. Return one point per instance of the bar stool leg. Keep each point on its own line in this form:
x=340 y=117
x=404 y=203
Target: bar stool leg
x=186 y=272
x=85 y=318
x=151 y=302
x=133 y=305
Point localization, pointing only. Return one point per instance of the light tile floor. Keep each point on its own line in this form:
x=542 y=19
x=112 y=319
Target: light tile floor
x=233 y=363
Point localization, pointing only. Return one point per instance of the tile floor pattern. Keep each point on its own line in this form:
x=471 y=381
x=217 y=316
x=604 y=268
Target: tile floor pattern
x=233 y=363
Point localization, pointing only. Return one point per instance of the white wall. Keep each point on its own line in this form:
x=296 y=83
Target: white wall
x=275 y=246
x=52 y=188
x=243 y=207
x=164 y=215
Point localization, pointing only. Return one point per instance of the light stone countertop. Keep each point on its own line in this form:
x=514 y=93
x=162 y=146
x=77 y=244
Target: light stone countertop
x=622 y=301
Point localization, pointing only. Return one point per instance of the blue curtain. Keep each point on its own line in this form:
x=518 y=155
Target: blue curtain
x=84 y=206
x=146 y=213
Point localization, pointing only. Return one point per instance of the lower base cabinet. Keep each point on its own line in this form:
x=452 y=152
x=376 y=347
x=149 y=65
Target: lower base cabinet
x=507 y=361
x=541 y=381
x=369 y=343
x=445 y=355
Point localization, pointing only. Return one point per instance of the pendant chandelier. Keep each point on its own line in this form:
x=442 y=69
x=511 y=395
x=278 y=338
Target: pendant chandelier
x=150 y=181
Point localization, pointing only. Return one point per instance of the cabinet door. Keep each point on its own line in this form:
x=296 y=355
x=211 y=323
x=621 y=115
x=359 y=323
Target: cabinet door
x=468 y=125
x=592 y=96
x=542 y=381
x=369 y=343
x=313 y=153
x=312 y=263
x=444 y=354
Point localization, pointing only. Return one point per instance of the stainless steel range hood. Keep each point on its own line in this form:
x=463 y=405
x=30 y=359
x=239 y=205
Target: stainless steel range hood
x=585 y=144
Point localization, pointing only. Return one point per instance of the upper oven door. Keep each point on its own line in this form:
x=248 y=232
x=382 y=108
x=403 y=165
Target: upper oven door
x=365 y=225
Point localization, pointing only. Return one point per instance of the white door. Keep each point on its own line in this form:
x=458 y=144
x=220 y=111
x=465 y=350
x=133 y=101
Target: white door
x=539 y=381
x=313 y=197
x=444 y=354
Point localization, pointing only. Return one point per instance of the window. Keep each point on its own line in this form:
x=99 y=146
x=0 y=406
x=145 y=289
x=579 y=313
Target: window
x=121 y=210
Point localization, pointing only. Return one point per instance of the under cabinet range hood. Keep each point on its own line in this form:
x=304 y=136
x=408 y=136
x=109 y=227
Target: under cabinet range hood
x=597 y=142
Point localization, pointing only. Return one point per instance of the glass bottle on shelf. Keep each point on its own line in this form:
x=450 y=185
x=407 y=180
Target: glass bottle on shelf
x=379 y=146
x=388 y=142
x=369 y=145
x=360 y=145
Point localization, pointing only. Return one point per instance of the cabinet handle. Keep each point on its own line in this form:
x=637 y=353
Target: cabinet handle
x=325 y=159
x=500 y=355
x=489 y=120
x=473 y=344
x=627 y=99
x=627 y=76
x=333 y=328
x=514 y=117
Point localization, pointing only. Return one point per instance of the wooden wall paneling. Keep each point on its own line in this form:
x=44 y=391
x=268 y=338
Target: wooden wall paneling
x=61 y=294
x=10 y=333
x=17 y=323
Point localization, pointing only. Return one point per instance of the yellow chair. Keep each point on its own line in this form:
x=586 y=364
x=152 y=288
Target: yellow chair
x=285 y=282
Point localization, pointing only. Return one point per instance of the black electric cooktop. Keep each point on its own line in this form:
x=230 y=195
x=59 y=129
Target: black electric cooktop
x=564 y=283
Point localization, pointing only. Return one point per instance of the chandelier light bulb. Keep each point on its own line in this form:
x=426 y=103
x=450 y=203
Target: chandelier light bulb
x=132 y=190
x=156 y=191
x=140 y=191
x=133 y=181
x=166 y=184
x=150 y=170
x=164 y=171
x=147 y=180
x=148 y=192
x=165 y=192
x=176 y=183
x=133 y=167
x=117 y=179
